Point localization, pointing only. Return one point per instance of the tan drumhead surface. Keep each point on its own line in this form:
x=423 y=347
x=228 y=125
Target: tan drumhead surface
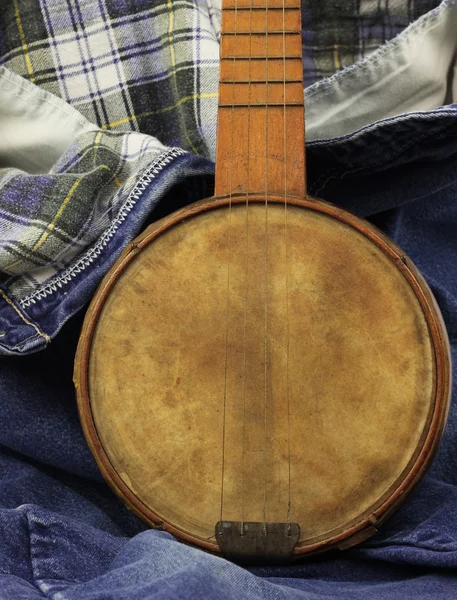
x=218 y=395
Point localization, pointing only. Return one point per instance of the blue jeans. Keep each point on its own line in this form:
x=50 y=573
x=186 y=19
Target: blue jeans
x=64 y=535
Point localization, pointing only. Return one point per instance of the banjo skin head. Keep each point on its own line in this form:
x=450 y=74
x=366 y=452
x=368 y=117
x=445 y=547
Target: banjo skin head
x=260 y=368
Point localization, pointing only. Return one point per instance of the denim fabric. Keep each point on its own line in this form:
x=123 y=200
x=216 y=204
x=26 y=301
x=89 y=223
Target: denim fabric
x=68 y=537
x=73 y=195
x=65 y=536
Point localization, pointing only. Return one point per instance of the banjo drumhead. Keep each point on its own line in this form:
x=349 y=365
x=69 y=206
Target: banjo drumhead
x=244 y=365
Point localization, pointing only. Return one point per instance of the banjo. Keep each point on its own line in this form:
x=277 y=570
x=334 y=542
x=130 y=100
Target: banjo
x=263 y=374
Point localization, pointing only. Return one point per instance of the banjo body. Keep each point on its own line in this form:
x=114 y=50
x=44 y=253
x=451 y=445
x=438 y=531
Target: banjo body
x=263 y=374
x=217 y=385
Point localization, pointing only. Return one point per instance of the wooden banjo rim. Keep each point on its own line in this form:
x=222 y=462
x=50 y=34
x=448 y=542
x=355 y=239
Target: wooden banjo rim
x=365 y=525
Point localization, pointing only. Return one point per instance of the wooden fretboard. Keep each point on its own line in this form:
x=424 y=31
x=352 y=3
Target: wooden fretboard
x=261 y=138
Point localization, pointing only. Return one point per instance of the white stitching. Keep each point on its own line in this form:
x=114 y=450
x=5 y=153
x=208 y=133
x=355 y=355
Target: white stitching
x=88 y=258
x=39 y=332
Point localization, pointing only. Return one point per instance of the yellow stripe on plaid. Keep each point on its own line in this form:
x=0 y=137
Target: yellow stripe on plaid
x=170 y=37
x=173 y=65
x=97 y=141
x=57 y=216
x=52 y=224
x=117 y=181
x=158 y=111
x=98 y=137
x=25 y=48
x=65 y=203
x=336 y=57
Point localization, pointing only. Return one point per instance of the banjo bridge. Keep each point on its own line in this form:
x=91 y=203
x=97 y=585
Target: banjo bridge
x=257 y=542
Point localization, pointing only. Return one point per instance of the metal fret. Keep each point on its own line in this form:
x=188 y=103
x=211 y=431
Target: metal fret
x=258 y=8
x=281 y=92
x=254 y=81
x=260 y=32
x=260 y=104
x=260 y=57
x=264 y=8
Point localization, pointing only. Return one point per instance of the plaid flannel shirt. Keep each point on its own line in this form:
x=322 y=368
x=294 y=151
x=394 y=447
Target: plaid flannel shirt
x=97 y=98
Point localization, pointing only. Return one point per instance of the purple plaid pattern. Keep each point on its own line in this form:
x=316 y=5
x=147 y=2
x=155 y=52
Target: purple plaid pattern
x=152 y=66
x=130 y=73
x=46 y=220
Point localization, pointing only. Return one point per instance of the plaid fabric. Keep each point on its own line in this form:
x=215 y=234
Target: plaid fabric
x=338 y=33
x=49 y=220
x=134 y=72
x=151 y=65
x=126 y=65
x=61 y=218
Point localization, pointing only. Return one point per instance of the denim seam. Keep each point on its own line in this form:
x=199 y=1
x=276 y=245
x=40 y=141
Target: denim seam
x=424 y=115
x=90 y=255
x=19 y=346
x=37 y=329
x=32 y=568
x=332 y=173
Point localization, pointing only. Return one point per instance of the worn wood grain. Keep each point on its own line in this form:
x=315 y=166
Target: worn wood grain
x=261 y=138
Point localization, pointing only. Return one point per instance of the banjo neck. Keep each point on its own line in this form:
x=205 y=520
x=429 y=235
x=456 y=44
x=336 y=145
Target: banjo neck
x=261 y=138
x=283 y=390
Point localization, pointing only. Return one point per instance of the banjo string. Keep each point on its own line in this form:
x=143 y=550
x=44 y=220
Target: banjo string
x=246 y=269
x=228 y=262
x=286 y=256
x=266 y=277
